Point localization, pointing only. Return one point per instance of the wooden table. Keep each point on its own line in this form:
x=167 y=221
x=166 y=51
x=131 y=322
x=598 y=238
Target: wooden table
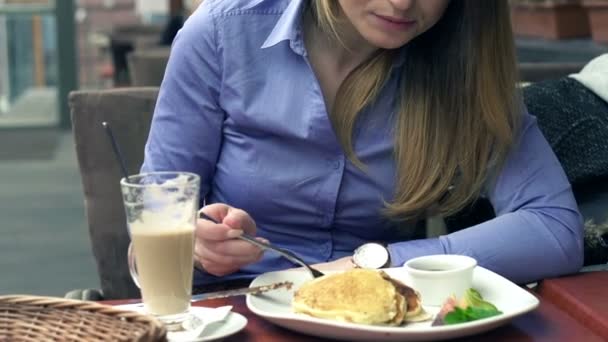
x=551 y=321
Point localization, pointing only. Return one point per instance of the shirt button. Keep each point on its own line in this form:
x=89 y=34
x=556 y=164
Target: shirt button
x=337 y=164
x=325 y=250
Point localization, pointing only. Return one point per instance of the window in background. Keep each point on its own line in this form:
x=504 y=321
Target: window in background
x=28 y=63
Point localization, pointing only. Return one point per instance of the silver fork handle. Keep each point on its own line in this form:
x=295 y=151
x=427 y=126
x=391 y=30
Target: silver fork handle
x=288 y=255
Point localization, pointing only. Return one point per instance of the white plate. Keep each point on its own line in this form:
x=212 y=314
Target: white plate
x=234 y=323
x=275 y=306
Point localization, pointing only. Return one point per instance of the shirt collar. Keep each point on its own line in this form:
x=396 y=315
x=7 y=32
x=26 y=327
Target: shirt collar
x=289 y=27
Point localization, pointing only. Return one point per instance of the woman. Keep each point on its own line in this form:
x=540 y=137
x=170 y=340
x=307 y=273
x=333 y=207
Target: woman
x=323 y=125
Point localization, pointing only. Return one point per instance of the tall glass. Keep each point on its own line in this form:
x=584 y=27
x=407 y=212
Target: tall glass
x=161 y=214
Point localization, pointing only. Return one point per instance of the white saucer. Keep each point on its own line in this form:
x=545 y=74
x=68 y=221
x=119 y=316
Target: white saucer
x=234 y=323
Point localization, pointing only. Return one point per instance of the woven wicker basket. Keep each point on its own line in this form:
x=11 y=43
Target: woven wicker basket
x=31 y=318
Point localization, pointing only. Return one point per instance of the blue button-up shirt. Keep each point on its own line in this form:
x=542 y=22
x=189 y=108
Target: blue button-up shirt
x=240 y=106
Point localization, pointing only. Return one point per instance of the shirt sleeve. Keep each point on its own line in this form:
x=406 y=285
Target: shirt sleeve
x=538 y=231
x=185 y=133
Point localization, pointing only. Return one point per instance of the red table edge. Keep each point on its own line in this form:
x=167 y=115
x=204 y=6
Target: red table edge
x=515 y=330
x=556 y=291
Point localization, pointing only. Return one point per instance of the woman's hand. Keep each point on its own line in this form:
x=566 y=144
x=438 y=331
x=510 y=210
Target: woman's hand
x=216 y=248
x=341 y=264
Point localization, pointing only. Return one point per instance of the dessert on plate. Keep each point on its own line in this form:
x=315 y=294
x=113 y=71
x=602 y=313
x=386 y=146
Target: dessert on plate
x=362 y=296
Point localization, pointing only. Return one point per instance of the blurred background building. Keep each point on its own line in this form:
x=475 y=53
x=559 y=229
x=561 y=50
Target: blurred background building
x=50 y=47
x=29 y=50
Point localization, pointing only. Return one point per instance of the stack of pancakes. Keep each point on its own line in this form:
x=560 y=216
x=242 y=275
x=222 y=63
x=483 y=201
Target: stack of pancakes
x=359 y=296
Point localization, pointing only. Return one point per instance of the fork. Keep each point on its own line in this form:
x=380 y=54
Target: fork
x=267 y=246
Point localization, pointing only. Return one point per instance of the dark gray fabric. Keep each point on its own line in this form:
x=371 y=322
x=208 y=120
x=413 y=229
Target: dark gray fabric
x=147 y=66
x=596 y=241
x=575 y=122
x=542 y=71
x=129 y=112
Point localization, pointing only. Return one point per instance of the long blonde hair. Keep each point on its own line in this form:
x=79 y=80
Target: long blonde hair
x=458 y=111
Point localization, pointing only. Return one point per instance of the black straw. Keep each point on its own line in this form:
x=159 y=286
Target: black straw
x=117 y=154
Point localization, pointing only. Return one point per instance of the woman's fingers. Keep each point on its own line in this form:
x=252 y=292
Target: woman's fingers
x=209 y=231
x=232 y=217
x=231 y=248
x=232 y=222
x=239 y=219
x=220 y=264
x=228 y=260
x=216 y=247
x=216 y=211
x=342 y=264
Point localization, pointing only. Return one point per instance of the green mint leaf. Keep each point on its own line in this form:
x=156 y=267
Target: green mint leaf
x=473 y=298
x=458 y=315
